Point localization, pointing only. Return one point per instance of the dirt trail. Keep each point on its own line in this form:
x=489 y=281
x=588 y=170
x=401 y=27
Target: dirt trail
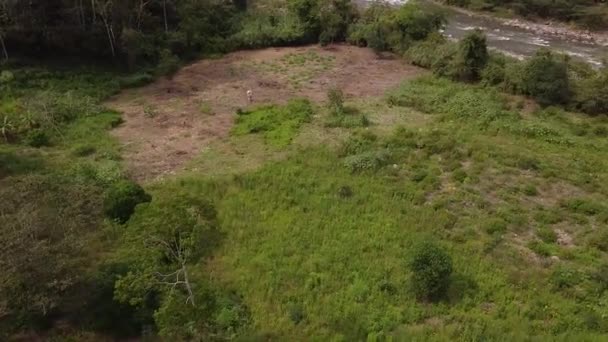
x=169 y=122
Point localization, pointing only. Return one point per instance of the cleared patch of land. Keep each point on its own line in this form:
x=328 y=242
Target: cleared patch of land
x=172 y=120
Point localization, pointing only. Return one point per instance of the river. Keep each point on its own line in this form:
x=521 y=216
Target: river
x=521 y=39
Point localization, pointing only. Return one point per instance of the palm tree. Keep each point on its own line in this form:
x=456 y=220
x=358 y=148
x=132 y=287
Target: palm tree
x=6 y=127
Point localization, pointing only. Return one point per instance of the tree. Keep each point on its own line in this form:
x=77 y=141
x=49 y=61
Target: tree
x=45 y=224
x=472 y=56
x=592 y=93
x=545 y=77
x=122 y=198
x=334 y=19
x=307 y=12
x=431 y=269
x=163 y=239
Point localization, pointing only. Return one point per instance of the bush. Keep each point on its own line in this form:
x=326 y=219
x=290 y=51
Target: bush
x=334 y=18
x=335 y=101
x=496 y=226
x=546 y=234
x=83 y=150
x=168 y=64
x=386 y=28
x=540 y=248
x=348 y=121
x=471 y=58
x=583 y=206
x=37 y=138
x=278 y=124
x=599 y=240
x=432 y=268
x=563 y=278
x=429 y=52
x=545 y=77
x=494 y=72
x=122 y=198
x=368 y=161
x=135 y=80
x=51 y=108
x=358 y=143
x=592 y=94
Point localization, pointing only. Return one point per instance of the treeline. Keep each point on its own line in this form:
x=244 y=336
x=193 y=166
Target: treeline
x=591 y=14
x=129 y=31
x=145 y=32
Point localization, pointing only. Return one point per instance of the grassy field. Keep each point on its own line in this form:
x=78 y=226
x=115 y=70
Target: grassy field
x=319 y=213
x=318 y=235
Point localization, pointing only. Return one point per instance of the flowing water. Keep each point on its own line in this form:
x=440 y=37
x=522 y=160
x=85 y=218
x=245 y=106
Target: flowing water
x=519 y=39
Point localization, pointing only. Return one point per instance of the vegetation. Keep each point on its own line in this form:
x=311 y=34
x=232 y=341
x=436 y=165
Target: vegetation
x=121 y=200
x=473 y=213
x=431 y=270
x=279 y=125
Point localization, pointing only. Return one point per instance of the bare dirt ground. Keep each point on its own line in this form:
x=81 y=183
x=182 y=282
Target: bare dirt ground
x=169 y=122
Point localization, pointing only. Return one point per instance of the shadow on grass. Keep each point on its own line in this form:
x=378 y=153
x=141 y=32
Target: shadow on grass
x=12 y=164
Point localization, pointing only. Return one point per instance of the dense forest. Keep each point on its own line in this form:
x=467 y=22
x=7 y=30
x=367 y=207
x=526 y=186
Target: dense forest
x=465 y=201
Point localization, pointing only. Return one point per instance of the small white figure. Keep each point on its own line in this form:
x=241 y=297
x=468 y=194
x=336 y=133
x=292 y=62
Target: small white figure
x=250 y=96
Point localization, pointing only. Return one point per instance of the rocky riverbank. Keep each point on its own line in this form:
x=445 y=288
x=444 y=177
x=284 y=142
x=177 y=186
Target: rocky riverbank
x=549 y=28
x=559 y=30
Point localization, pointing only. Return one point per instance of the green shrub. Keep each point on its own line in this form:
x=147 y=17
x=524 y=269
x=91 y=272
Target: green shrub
x=530 y=190
x=278 y=124
x=348 y=121
x=471 y=58
x=428 y=52
x=440 y=96
x=545 y=77
x=564 y=278
x=37 y=138
x=368 y=161
x=459 y=175
x=540 y=248
x=135 y=80
x=83 y=150
x=122 y=198
x=385 y=28
x=600 y=131
x=168 y=64
x=49 y=224
x=362 y=141
x=583 y=206
x=335 y=101
x=494 y=73
x=514 y=78
x=296 y=313
x=116 y=122
x=546 y=234
x=51 y=108
x=262 y=29
x=527 y=163
x=591 y=94
x=599 y=240
x=496 y=226
x=419 y=175
x=431 y=268
x=335 y=16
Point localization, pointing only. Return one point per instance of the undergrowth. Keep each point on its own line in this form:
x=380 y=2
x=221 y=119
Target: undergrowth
x=278 y=124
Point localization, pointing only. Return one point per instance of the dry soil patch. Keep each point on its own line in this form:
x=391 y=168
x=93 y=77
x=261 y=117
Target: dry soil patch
x=169 y=122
